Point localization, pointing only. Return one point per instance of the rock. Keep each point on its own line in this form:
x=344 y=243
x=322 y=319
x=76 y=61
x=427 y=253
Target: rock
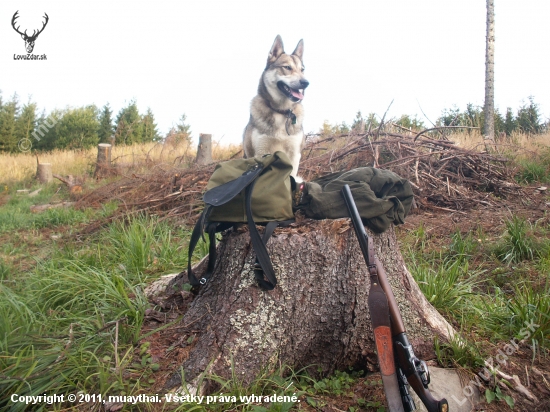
x=445 y=383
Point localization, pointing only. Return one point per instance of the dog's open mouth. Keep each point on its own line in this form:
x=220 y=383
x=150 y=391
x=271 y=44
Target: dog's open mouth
x=293 y=94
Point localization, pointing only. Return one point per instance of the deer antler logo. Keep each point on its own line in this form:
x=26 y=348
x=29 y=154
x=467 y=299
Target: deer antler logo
x=29 y=40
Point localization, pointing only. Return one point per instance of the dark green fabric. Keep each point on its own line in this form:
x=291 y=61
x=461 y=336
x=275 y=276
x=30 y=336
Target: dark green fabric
x=272 y=194
x=382 y=197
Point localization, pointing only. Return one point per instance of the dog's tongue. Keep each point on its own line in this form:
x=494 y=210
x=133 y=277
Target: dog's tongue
x=297 y=94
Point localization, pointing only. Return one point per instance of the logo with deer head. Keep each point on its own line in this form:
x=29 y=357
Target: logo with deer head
x=29 y=40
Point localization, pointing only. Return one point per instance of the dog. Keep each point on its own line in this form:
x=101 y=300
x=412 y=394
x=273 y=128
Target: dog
x=276 y=112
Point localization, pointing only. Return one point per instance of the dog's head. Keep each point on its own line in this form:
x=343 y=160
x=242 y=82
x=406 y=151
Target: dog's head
x=285 y=73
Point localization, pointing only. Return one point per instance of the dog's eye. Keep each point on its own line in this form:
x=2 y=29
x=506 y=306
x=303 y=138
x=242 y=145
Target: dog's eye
x=303 y=68
x=288 y=67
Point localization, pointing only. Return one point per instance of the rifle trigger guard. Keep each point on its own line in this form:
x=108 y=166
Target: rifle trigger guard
x=423 y=371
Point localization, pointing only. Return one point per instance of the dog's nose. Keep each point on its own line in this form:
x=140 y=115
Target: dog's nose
x=304 y=83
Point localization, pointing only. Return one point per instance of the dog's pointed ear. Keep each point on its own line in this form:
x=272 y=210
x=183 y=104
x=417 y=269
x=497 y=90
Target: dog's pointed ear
x=276 y=50
x=299 y=51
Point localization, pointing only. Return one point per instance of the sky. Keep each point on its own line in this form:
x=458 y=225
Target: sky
x=205 y=58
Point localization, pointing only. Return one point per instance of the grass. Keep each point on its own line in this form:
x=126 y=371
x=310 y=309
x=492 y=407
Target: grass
x=20 y=168
x=448 y=286
x=73 y=322
x=517 y=244
x=496 y=299
x=16 y=213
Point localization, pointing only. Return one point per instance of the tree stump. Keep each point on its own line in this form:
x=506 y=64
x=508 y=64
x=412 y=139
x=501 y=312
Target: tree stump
x=44 y=172
x=103 y=165
x=204 y=150
x=317 y=315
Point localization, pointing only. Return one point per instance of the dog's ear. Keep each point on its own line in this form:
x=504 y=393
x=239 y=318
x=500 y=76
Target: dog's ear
x=299 y=51
x=276 y=50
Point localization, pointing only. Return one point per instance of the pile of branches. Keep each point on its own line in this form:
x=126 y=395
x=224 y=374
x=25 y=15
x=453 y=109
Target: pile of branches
x=170 y=192
x=443 y=175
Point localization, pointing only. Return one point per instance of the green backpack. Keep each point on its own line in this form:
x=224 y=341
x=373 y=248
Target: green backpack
x=383 y=198
x=261 y=190
x=257 y=190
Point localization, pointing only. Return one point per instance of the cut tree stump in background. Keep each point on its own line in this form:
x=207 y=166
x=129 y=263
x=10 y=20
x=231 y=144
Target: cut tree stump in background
x=44 y=172
x=317 y=315
x=204 y=150
x=103 y=165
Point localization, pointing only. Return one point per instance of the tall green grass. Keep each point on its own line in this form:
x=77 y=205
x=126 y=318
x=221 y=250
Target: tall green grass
x=517 y=244
x=480 y=300
x=60 y=323
x=449 y=286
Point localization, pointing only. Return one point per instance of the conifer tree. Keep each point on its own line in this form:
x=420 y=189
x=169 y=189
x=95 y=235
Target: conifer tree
x=8 y=114
x=106 y=128
x=26 y=123
x=509 y=122
x=149 y=127
x=129 y=126
x=47 y=130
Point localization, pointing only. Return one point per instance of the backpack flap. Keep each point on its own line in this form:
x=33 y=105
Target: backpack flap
x=272 y=195
x=247 y=191
x=222 y=194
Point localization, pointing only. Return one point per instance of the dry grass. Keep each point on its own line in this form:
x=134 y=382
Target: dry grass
x=518 y=144
x=21 y=167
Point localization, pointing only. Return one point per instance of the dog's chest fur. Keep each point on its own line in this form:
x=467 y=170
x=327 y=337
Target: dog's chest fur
x=267 y=131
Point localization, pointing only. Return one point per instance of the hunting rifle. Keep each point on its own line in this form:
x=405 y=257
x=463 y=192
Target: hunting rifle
x=398 y=364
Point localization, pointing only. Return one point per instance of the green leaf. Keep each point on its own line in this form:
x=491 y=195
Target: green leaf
x=510 y=401
x=490 y=396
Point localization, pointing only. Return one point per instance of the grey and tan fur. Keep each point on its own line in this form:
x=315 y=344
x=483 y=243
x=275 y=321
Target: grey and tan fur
x=279 y=99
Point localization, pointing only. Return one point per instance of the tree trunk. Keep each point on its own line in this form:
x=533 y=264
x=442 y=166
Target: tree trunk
x=489 y=108
x=317 y=315
x=204 y=151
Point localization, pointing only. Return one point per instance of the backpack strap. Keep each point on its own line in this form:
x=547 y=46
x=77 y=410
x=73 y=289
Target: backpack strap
x=197 y=233
x=258 y=270
x=216 y=196
x=262 y=257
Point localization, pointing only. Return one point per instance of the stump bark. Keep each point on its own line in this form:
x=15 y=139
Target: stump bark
x=44 y=172
x=204 y=150
x=316 y=316
x=103 y=164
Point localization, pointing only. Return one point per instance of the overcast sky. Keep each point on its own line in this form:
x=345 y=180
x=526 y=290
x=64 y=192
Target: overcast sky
x=204 y=58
